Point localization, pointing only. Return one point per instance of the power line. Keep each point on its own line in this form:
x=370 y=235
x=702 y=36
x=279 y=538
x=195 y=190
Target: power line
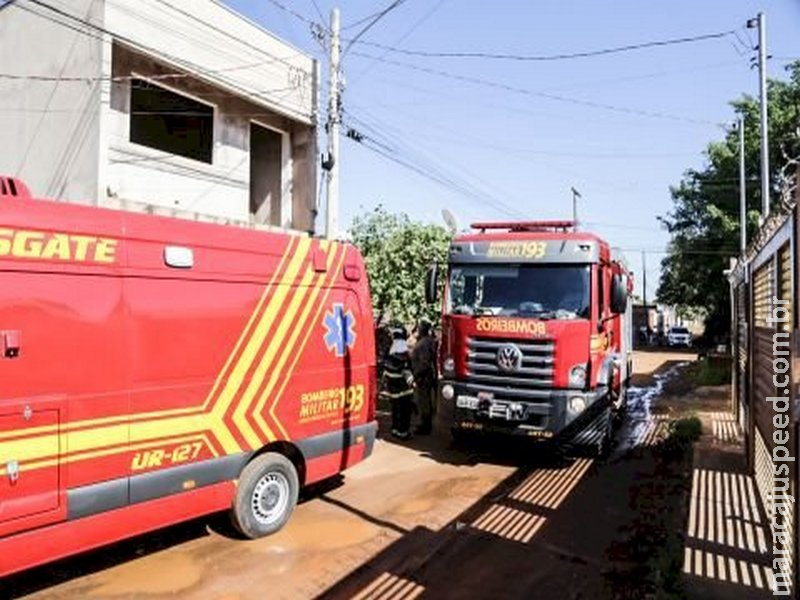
x=545 y=57
x=119 y=78
x=444 y=182
x=179 y=61
x=424 y=166
x=18 y=5
x=429 y=161
x=544 y=95
x=227 y=34
x=374 y=21
x=294 y=13
x=363 y=20
x=416 y=25
x=318 y=11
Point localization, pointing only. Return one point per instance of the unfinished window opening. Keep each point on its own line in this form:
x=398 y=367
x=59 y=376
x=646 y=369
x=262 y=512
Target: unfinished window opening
x=265 y=175
x=167 y=121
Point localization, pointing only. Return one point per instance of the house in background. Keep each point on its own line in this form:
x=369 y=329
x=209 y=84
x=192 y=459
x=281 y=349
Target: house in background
x=184 y=109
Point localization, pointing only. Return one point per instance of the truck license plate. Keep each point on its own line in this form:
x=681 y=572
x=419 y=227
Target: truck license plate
x=509 y=411
x=470 y=402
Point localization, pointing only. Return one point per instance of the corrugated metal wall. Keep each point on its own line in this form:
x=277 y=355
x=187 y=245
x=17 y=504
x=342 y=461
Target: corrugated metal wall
x=772 y=265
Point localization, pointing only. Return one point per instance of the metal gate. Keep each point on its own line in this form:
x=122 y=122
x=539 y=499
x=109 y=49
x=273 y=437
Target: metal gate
x=766 y=353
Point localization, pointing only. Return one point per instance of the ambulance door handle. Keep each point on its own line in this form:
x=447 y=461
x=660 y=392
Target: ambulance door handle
x=10 y=342
x=12 y=468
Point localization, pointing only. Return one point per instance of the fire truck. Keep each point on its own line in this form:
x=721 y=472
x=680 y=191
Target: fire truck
x=156 y=369
x=536 y=333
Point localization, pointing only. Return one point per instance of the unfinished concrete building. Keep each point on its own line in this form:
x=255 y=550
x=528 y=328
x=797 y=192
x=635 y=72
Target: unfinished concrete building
x=190 y=111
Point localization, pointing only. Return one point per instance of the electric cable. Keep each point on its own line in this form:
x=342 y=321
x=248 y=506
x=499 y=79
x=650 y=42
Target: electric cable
x=545 y=57
x=544 y=95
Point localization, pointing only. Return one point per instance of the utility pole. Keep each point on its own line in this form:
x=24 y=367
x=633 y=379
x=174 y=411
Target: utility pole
x=761 y=22
x=333 y=126
x=575 y=195
x=644 y=295
x=644 y=285
x=742 y=194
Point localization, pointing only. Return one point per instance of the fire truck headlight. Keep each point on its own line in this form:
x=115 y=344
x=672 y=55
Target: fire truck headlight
x=449 y=366
x=577 y=404
x=577 y=376
x=448 y=393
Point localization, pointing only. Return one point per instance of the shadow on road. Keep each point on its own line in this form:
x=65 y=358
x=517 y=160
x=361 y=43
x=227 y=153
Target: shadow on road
x=577 y=529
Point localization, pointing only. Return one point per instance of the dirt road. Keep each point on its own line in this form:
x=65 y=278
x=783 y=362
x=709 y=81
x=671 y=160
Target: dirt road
x=421 y=518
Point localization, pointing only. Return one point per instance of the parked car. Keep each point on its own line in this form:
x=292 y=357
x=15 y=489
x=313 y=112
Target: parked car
x=679 y=336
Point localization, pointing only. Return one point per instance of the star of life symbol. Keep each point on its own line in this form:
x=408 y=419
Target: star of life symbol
x=340 y=329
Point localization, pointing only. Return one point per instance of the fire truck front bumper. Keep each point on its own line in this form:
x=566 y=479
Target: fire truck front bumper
x=550 y=414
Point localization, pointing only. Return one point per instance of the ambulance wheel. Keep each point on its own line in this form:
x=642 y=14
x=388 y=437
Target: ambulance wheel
x=266 y=495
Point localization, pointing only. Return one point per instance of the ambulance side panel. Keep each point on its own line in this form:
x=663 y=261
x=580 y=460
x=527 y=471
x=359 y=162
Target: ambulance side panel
x=62 y=358
x=254 y=340
x=144 y=382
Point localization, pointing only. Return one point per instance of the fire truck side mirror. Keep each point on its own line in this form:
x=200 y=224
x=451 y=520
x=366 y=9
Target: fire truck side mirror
x=432 y=283
x=619 y=295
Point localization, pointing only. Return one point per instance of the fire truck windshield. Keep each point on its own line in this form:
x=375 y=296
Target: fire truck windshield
x=536 y=291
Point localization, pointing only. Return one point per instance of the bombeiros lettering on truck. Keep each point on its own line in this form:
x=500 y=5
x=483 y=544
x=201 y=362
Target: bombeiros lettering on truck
x=141 y=389
x=536 y=332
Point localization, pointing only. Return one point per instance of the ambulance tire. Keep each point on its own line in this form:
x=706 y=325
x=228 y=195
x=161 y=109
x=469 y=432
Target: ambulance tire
x=266 y=495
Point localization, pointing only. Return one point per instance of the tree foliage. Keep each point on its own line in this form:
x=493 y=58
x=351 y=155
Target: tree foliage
x=704 y=221
x=398 y=252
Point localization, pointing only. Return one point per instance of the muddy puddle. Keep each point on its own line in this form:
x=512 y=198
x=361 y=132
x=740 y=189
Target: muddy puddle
x=643 y=426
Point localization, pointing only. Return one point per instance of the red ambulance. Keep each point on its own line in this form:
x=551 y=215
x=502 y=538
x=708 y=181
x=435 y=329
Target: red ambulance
x=157 y=369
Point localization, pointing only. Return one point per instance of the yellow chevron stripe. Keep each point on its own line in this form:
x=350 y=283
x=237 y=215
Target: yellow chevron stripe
x=237 y=378
x=125 y=419
x=274 y=345
x=250 y=322
x=302 y=326
x=116 y=431
x=295 y=325
x=321 y=307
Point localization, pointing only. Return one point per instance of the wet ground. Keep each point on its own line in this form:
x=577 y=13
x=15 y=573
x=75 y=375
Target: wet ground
x=418 y=519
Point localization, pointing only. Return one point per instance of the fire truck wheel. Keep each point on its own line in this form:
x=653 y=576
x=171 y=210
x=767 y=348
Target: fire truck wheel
x=606 y=441
x=266 y=495
x=462 y=436
x=620 y=406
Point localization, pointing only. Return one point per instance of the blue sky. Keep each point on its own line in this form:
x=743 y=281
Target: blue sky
x=524 y=152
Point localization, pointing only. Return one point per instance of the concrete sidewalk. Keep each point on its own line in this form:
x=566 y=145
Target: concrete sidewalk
x=728 y=540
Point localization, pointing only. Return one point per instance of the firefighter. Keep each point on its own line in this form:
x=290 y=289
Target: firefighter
x=399 y=383
x=423 y=366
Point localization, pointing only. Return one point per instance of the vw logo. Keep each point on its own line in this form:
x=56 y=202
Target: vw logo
x=509 y=358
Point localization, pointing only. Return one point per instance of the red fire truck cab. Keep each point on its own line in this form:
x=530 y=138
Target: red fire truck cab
x=536 y=332
x=156 y=369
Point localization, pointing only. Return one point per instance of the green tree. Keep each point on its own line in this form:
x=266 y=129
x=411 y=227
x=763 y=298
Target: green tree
x=704 y=221
x=397 y=252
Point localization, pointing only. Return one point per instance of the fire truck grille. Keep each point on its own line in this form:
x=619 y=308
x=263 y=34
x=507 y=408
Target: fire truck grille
x=535 y=372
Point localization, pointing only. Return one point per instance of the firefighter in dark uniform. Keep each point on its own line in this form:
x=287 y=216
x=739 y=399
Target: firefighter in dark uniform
x=423 y=366
x=399 y=383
